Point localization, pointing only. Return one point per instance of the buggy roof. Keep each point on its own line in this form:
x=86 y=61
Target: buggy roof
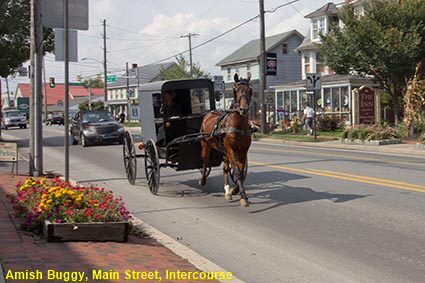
x=175 y=84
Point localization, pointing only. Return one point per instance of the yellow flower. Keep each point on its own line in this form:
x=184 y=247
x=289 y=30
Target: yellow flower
x=58 y=195
x=43 y=181
x=96 y=204
x=49 y=201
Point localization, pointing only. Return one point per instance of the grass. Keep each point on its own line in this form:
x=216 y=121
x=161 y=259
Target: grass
x=130 y=124
x=301 y=136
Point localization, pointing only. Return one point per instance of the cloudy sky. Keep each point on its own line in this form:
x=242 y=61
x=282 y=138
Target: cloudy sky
x=148 y=31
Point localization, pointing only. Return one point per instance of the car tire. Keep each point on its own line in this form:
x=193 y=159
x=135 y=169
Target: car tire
x=83 y=140
x=25 y=126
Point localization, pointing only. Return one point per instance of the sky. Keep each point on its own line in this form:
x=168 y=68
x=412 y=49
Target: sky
x=149 y=31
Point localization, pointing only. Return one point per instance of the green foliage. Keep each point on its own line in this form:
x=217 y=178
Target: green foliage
x=328 y=123
x=97 y=105
x=386 y=43
x=15 y=35
x=295 y=127
x=182 y=71
x=93 y=83
x=371 y=132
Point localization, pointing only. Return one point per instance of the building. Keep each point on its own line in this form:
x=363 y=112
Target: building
x=54 y=97
x=123 y=92
x=335 y=96
x=246 y=60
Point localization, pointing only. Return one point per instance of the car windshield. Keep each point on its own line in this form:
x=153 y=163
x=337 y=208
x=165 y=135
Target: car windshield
x=97 y=117
x=56 y=116
x=12 y=114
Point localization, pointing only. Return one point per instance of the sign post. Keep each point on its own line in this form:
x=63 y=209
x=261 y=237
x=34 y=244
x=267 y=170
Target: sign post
x=314 y=83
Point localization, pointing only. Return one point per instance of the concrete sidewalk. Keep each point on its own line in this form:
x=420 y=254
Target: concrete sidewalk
x=23 y=252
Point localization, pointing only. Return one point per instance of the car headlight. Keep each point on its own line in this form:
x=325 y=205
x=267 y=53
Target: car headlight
x=88 y=132
x=120 y=130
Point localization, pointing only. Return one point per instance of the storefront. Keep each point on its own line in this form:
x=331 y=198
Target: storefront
x=333 y=99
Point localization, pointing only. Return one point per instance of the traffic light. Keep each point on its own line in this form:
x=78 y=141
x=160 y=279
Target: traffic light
x=99 y=77
x=52 y=82
x=79 y=77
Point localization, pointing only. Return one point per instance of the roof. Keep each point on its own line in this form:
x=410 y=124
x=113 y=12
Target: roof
x=58 y=92
x=251 y=50
x=328 y=9
x=147 y=74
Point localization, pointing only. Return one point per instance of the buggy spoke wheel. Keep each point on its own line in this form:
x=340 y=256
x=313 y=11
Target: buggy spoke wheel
x=152 y=166
x=130 y=161
x=245 y=171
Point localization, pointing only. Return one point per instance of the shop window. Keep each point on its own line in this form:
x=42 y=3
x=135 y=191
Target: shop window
x=336 y=98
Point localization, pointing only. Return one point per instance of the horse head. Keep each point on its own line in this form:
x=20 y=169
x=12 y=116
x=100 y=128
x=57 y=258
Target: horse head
x=242 y=94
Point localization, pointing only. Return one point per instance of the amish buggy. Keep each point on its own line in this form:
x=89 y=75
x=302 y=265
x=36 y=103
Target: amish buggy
x=182 y=129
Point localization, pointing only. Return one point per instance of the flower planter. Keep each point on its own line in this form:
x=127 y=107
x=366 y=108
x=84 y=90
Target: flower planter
x=86 y=231
x=371 y=142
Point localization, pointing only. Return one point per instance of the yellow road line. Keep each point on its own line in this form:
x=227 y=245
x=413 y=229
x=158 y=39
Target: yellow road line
x=355 y=178
x=338 y=155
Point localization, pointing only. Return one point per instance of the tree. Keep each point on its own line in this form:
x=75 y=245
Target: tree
x=93 y=83
x=182 y=70
x=97 y=105
x=385 y=43
x=15 y=35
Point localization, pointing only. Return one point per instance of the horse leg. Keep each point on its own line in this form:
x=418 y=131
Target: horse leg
x=227 y=188
x=239 y=171
x=205 y=154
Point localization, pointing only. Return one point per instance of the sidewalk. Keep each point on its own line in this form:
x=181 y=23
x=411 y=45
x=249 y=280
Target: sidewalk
x=407 y=148
x=22 y=252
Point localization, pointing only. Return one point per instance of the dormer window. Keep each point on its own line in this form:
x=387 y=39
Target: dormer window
x=319 y=27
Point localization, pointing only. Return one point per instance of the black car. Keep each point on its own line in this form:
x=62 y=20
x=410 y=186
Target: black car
x=90 y=127
x=55 y=119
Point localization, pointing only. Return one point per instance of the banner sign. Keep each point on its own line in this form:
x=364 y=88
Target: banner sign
x=9 y=151
x=271 y=64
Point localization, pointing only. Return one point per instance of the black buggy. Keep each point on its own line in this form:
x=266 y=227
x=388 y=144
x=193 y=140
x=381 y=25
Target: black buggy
x=170 y=141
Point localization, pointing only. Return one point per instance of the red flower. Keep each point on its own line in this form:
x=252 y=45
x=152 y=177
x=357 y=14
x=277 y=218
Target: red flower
x=98 y=216
x=88 y=212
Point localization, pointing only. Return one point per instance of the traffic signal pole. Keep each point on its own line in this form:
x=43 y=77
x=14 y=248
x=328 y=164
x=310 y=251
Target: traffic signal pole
x=66 y=122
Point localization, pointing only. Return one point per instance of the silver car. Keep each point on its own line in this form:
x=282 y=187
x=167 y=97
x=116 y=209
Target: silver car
x=13 y=118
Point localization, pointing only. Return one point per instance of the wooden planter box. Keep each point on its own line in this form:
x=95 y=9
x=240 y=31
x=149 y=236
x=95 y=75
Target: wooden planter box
x=86 y=231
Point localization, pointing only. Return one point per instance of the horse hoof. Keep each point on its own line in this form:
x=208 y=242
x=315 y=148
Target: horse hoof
x=202 y=182
x=228 y=196
x=244 y=202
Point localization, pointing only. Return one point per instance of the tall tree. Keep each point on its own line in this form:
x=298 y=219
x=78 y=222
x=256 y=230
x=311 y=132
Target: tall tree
x=15 y=35
x=385 y=43
x=182 y=70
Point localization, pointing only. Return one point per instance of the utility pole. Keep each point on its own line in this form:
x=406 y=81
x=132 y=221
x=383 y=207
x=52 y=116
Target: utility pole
x=37 y=28
x=66 y=53
x=32 y=92
x=45 y=89
x=264 y=128
x=189 y=35
x=105 y=86
x=128 y=88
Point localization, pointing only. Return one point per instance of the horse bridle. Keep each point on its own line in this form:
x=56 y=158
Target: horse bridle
x=237 y=100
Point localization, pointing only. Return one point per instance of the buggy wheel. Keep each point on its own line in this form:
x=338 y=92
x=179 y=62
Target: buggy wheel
x=152 y=166
x=245 y=171
x=130 y=161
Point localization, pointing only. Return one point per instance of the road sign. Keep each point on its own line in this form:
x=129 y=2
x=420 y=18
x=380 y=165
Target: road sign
x=271 y=64
x=219 y=84
x=111 y=79
x=52 y=11
x=130 y=93
x=313 y=81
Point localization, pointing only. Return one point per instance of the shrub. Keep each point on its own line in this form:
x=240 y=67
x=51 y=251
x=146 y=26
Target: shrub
x=373 y=132
x=57 y=201
x=328 y=123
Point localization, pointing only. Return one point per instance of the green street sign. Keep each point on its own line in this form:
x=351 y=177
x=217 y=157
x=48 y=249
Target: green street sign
x=76 y=84
x=111 y=79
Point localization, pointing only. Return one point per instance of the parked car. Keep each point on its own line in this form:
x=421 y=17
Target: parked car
x=55 y=119
x=89 y=127
x=13 y=118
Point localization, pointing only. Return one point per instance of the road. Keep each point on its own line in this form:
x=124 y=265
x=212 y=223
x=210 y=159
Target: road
x=316 y=215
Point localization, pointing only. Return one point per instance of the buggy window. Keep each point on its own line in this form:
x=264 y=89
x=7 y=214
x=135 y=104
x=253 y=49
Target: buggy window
x=200 y=101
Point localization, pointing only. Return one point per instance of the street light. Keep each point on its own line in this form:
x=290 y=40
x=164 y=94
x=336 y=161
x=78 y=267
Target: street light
x=105 y=87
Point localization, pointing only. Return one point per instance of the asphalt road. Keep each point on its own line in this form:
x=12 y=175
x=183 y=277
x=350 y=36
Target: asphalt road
x=316 y=215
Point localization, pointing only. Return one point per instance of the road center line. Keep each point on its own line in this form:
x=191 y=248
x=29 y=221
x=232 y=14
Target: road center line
x=338 y=155
x=344 y=176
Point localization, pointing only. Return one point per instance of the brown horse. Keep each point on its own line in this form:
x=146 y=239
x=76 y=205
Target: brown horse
x=229 y=133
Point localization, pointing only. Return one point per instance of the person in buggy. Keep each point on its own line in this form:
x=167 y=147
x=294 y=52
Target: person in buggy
x=170 y=110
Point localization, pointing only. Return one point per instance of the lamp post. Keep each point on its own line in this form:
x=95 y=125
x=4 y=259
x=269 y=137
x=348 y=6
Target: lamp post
x=105 y=86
